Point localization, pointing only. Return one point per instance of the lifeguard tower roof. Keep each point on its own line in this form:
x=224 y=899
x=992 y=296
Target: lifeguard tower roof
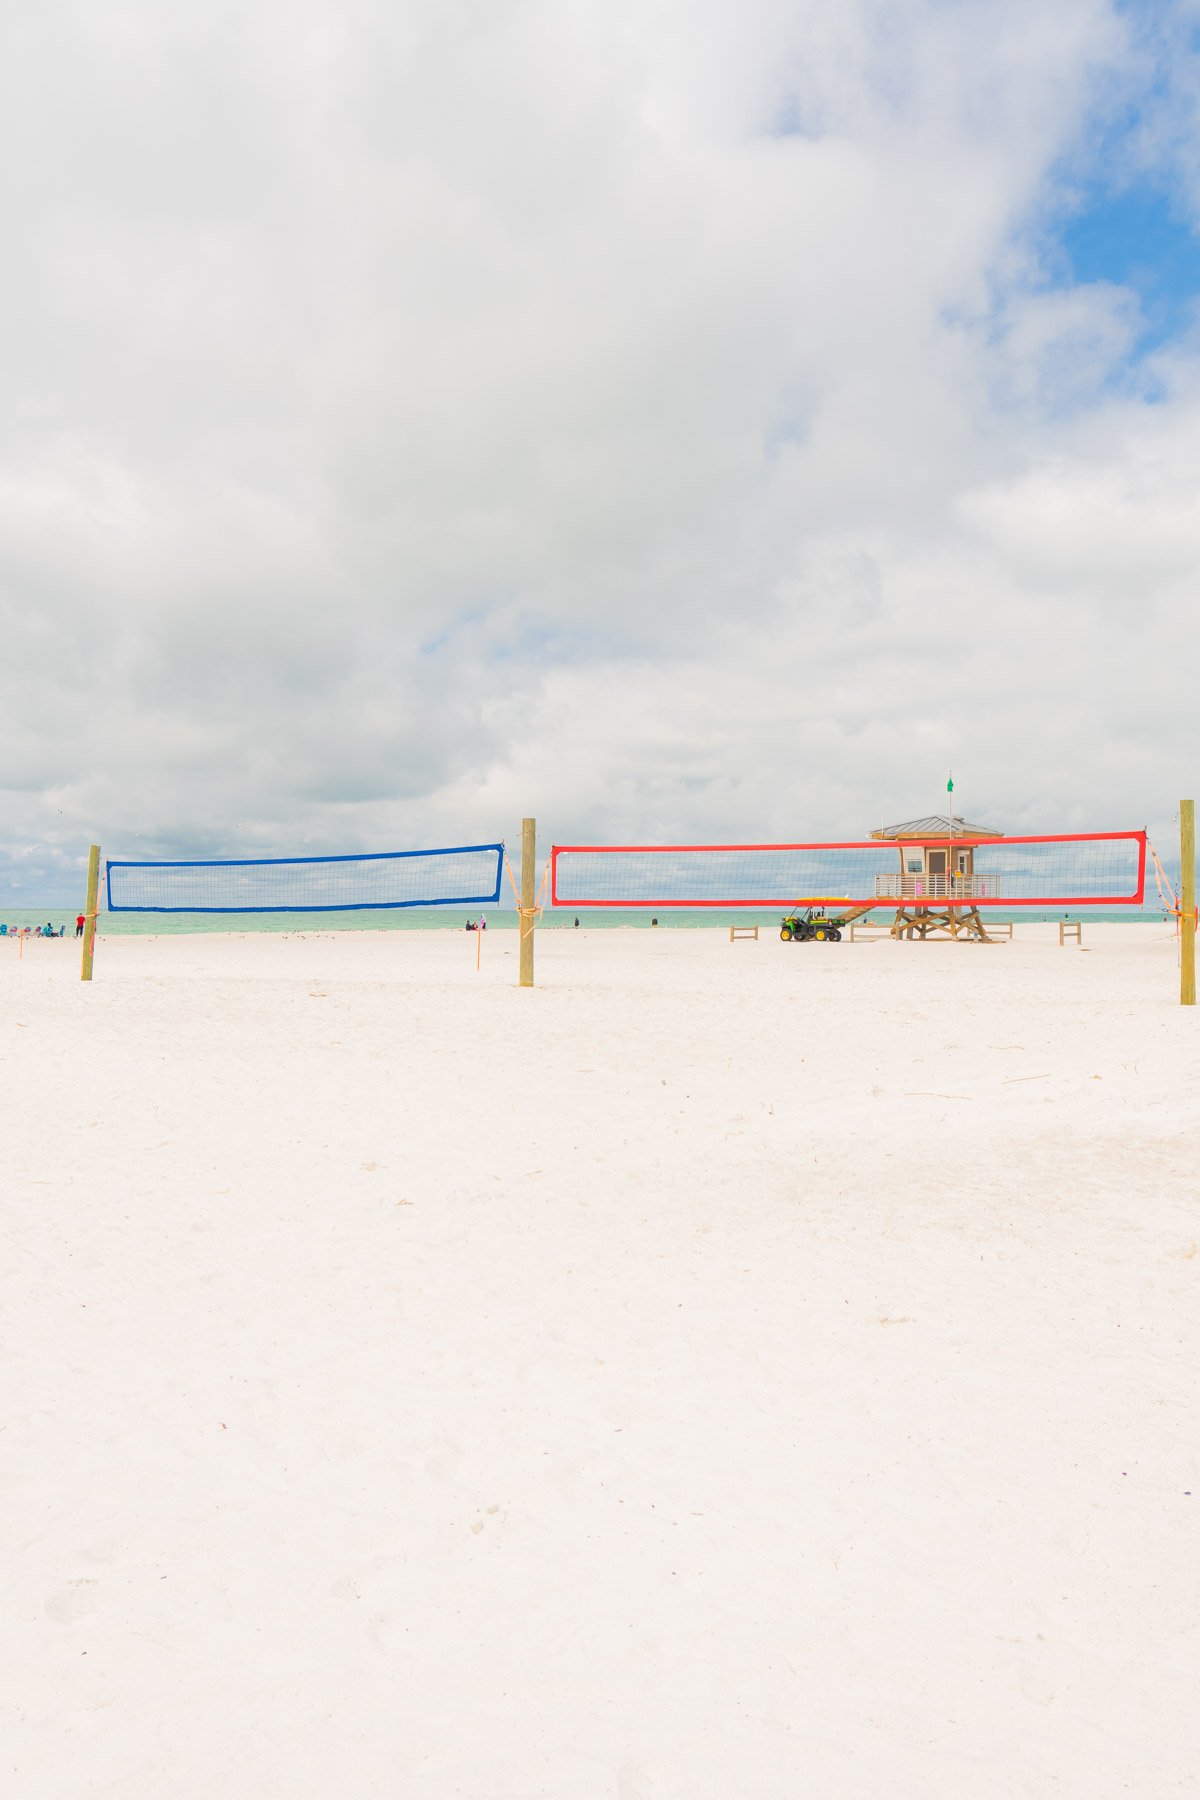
x=935 y=825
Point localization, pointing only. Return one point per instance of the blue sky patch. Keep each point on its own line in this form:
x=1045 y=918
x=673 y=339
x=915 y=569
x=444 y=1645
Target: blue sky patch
x=1136 y=239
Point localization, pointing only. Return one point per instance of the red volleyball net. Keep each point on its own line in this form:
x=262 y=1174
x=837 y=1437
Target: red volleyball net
x=1095 y=868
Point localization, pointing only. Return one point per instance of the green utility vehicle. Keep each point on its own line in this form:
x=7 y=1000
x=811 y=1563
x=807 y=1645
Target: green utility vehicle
x=802 y=928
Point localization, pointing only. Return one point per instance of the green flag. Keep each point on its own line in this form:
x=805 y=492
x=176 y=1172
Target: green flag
x=950 y=785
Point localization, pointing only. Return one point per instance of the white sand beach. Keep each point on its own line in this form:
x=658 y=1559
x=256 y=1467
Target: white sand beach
x=725 y=1371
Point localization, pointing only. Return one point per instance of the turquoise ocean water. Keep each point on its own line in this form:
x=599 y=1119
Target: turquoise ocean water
x=444 y=918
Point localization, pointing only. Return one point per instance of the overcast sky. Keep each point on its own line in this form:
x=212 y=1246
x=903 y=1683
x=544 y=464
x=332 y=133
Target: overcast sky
x=673 y=418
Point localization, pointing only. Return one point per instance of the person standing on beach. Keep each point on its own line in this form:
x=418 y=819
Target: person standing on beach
x=79 y=925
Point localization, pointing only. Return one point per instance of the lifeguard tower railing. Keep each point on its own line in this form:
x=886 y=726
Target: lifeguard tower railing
x=937 y=887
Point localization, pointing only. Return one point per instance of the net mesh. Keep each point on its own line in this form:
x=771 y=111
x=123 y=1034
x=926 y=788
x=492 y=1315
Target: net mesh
x=1097 y=869
x=466 y=875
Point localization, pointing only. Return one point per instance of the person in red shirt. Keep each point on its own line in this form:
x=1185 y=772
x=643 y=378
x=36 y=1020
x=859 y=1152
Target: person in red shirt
x=79 y=925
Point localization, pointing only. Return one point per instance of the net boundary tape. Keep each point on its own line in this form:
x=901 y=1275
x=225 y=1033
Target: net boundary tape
x=260 y=862
x=876 y=844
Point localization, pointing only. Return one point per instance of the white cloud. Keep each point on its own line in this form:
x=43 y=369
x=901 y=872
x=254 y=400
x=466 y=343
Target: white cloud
x=647 y=414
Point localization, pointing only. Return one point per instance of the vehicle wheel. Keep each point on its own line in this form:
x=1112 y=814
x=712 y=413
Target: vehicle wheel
x=835 y=935
x=785 y=932
x=821 y=934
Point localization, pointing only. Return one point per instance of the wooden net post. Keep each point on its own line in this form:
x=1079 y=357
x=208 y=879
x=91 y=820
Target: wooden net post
x=89 y=912
x=1187 y=903
x=528 y=853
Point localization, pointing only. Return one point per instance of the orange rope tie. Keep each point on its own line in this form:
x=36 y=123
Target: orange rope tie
x=535 y=911
x=96 y=931
x=1170 y=900
x=1161 y=877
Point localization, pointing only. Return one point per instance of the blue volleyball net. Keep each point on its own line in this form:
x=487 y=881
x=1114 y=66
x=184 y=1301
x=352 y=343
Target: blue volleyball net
x=465 y=875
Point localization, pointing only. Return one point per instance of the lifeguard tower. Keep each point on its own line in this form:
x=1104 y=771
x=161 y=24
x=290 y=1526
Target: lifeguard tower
x=936 y=887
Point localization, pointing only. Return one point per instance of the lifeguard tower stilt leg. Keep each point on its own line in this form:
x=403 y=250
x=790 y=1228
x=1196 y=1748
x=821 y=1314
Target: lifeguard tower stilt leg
x=929 y=921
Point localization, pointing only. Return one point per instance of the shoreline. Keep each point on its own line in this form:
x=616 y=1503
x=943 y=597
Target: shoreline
x=167 y=925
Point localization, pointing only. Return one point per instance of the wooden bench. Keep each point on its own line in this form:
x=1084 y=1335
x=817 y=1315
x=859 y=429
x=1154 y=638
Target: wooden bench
x=1070 y=928
x=743 y=931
